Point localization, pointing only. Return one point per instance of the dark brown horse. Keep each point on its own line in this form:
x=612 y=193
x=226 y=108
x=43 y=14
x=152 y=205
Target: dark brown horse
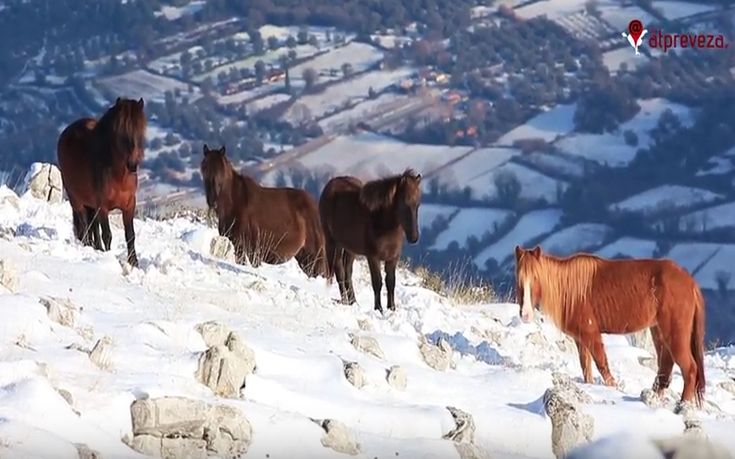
x=369 y=220
x=99 y=162
x=585 y=295
x=268 y=225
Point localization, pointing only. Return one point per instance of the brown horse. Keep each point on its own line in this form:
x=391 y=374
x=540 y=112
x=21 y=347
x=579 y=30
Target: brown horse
x=270 y=225
x=99 y=160
x=369 y=220
x=585 y=295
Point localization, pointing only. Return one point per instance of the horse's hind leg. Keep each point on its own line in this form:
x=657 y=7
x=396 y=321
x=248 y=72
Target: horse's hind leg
x=348 y=259
x=377 y=280
x=681 y=352
x=128 y=216
x=390 y=282
x=103 y=217
x=339 y=273
x=94 y=227
x=665 y=362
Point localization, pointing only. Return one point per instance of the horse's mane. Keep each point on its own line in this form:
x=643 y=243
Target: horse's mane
x=564 y=282
x=380 y=193
x=118 y=131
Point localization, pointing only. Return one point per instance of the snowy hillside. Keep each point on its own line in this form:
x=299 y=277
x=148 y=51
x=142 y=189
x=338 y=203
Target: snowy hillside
x=500 y=371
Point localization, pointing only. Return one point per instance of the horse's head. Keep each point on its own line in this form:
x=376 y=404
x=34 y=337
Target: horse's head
x=528 y=286
x=408 y=199
x=216 y=173
x=128 y=124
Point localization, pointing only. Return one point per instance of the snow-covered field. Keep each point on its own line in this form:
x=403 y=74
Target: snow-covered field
x=299 y=336
x=337 y=96
x=614 y=59
x=610 y=148
x=430 y=213
x=709 y=219
x=141 y=83
x=547 y=125
x=576 y=238
x=665 y=198
x=471 y=222
x=628 y=247
x=674 y=9
x=173 y=12
x=368 y=156
x=360 y=112
x=529 y=227
x=360 y=56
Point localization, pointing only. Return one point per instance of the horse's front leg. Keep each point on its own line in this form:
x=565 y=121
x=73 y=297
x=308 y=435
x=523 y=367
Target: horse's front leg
x=128 y=215
x=585 y=361
x=377 y=281
x=592 y=340
x=390 y=282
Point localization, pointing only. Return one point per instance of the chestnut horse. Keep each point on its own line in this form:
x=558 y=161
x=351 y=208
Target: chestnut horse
x=585 y=295
x=369 y=220
x=270 y=225
x=99 y=160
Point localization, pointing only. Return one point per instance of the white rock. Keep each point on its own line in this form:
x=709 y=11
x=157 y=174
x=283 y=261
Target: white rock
x=397 y=377
x=61 y=311
x=101 y=354
x=439 y=356
x=367 y=344
x=43 y=181
x=222 y=248
x=338 y=437
x=570 y=427
x=223 y=368
x=355 y=374
x=464 y=429
x=8 y=276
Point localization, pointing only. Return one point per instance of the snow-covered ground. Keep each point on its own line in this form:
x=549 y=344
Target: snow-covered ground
x=610 y=148
x=628 y=247
x=383 y=103
x=360 y=56
x=614 y=59
x=665 y=198
x=430 y=213
x=368 y=156
x=339 y=95
x=529 y=227
x=298 y=334
x=141 y=83
x=576 y=238
x=674 y=9
x=173 y=12
x=709 y=219
x=471 y=222
x=547 y=125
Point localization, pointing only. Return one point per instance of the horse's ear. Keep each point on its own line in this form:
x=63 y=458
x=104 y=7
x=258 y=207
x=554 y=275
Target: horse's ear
x=519 y=252
x=206 y=149
x=141 y=103
x=117 y=101
x=536 y=252
x=223 y=150
x=418 y=178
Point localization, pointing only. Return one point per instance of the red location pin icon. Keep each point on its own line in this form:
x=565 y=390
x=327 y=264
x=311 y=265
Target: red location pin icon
x=635 y=29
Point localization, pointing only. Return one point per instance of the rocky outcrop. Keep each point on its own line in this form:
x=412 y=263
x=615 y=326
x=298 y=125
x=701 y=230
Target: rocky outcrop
x=178 y=427
x=367 y=344
x=397 y=377
x=222 y=248
x=463 y=435
x=338 y=437
x=355 y=374
x=85 y=452
x=438 y=356
x=62 y=311
x=627 y=445
x=224 y=366
x=570 y=426
x=8 y=276
x=101 y=353
x=43 y=181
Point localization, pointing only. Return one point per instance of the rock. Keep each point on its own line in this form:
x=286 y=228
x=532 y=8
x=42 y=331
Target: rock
x=570 y=427
x=355 y=374
x=101 y=354
x=728 y=385
x=227 y=432
x=222 y=248
x=470 y=451
x=690 y=447
x=169 y=416
x=338 y=438
x=693 y=427
x=66 y=395
x=439 y=356
x=650 y=398
x=621 y=445
x=180 y=427
x=43 y=181
x=8 y=276
x=397 y=377
x=213 y=333
x=61 y=311
x=464 y=430
x=8 y=197
x=367 y=344
x=564 y=383
x=364 y=325
x=85 y=452
x=223 y=368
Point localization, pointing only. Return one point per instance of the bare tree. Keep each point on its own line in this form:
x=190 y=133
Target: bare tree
x=310 y=76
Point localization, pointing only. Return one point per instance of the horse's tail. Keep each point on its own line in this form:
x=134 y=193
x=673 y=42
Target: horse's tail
x=315 y=239
x=697 y=343
x=328 y=243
